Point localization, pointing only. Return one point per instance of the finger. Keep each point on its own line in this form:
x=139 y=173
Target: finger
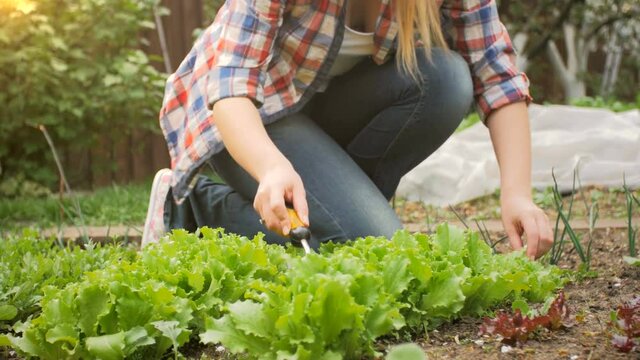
x=258 y=201
x=546 y=234
x=270 y=219
x=514 y=236
x=300 y=203
x=278 y=208
x=259 y=206
x=262 y=205
x=533 y=235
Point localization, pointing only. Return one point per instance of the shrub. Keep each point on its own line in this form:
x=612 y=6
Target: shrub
x=74 y=66
x=611 y=104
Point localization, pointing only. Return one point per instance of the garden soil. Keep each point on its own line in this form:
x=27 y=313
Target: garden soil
x=590 y=302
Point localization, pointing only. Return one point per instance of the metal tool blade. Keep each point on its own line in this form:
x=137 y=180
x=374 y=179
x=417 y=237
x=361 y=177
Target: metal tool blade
x=305 y=245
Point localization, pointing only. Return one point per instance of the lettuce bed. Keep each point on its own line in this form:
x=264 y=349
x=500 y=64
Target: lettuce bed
x=274 y=303
x=29 y=263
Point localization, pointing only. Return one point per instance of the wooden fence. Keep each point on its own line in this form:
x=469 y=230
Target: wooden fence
x=136 y=157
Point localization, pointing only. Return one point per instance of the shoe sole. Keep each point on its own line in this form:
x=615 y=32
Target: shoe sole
x=152 y=202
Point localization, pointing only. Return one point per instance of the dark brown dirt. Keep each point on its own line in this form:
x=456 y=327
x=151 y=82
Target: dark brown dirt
x=590 y=301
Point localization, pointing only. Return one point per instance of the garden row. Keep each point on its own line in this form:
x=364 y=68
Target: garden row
x=262 y=300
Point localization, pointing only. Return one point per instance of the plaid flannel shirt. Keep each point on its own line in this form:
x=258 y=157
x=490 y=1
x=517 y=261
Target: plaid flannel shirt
x=278 y=54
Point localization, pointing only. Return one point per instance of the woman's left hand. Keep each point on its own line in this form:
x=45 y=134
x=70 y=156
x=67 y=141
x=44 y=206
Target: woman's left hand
x=521 y=216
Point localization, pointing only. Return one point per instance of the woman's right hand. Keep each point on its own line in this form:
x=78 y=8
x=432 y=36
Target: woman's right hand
x=246 y=139
x=279 y=186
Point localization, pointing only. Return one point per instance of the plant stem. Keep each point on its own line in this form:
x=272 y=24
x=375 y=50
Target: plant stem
x=63 y=178
x=163 y=41
x=631 y=231
x=558 y=242
x=458 y=216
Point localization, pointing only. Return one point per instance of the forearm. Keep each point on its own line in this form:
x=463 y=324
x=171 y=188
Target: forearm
x=245 y=137
x=510 y=135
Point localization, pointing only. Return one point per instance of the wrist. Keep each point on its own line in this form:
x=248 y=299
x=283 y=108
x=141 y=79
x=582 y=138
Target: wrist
x=515 y=185
x=511 y=193
x=271 y=163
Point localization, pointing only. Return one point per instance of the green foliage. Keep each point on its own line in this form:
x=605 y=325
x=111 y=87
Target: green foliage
x=406 y=352
x=544 y=198
x=611 y=104
x=18 y=186
x=29 y=264
x=468 y=121
x=559 y=236
x=74 y=66
x=114 y=205
x=270 y=302
x=632 y=231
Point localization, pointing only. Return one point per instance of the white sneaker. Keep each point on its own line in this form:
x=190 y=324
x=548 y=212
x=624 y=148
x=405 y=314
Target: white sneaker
x=154 y=224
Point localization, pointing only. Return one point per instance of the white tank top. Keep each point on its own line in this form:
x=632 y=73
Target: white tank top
x=355 y=46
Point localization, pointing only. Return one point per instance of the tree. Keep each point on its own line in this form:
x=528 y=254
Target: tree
x=582 y=26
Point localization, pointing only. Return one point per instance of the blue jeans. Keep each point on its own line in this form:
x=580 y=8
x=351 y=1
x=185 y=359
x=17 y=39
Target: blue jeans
x=350 y=145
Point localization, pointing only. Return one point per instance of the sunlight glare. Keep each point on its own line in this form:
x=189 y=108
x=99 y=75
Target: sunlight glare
x=25 y=6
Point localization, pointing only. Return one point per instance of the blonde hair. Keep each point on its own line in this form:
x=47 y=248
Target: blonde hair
x=422 y=16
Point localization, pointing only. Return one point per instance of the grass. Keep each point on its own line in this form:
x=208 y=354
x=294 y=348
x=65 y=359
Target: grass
x=35 y=206
x=127 y=205
x=114 y=205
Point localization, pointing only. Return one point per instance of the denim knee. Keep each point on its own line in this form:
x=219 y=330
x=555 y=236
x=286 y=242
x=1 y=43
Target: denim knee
x=446 y=84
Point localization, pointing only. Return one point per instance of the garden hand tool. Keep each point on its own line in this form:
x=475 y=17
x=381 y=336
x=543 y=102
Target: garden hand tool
x=299 y=233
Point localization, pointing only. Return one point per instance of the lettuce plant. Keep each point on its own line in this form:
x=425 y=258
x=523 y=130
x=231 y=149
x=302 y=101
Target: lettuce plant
x=271 y=302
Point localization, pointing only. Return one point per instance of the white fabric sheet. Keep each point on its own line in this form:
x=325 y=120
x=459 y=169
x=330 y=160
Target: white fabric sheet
x=603 y=145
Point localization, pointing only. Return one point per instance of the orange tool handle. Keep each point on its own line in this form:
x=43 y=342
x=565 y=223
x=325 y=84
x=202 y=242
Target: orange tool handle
x=295 y=220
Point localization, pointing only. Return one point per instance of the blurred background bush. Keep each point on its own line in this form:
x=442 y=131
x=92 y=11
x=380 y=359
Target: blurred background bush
x=75 y=66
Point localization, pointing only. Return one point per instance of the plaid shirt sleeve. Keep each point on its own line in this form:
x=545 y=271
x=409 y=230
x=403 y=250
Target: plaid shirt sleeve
x=478 y=35
x=248 y=31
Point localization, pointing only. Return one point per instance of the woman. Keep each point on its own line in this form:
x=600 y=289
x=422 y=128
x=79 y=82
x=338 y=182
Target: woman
x=323 y=105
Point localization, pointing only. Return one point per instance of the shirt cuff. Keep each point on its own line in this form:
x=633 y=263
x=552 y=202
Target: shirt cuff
x=513 y=90
x=225 y=82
